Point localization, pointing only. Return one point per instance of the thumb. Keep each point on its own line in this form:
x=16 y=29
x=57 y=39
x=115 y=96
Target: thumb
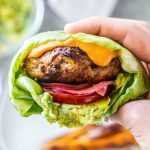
x=135 y=116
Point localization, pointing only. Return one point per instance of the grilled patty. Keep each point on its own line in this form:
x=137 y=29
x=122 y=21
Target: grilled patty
x=69 y=65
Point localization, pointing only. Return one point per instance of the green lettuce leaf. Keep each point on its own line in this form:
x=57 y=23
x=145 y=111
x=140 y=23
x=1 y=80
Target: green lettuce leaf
x=28 y=97
x=65 y=114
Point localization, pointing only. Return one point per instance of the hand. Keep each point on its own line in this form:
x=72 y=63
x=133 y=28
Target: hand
x=135 y=36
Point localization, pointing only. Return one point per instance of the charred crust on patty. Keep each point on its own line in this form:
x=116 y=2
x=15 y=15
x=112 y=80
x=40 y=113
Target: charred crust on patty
x=69 y=65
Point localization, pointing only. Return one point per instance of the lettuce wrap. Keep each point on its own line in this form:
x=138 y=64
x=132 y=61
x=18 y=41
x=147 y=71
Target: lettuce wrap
x=28 y=98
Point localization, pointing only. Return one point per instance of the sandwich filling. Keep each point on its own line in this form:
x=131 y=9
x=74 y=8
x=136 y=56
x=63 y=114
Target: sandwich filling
x=74 y=79
x=71 y=77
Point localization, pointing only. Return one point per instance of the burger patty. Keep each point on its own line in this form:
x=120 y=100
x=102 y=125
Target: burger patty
x=69 y=65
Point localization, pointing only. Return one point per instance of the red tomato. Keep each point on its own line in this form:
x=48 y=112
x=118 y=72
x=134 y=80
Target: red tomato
x=74 y=99
x=76 y=94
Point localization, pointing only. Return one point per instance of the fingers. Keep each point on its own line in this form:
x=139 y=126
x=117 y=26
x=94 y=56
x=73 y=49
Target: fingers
x=130 y=113
x=89 y=25
x=99 y=26
x=134 y=35
x=135 y=117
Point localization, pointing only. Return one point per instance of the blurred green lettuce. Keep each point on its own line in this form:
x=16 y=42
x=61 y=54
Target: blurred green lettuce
x=28 y=97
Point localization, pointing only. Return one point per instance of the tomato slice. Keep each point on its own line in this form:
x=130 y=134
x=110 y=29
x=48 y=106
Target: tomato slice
x=77 y=94
x=74 y=99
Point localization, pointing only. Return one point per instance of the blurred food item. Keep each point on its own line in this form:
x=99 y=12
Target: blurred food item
x=14 y=17
x=19 y=20
x=106 y=137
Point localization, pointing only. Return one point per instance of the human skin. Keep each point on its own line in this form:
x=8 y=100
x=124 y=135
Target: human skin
x=135 y=36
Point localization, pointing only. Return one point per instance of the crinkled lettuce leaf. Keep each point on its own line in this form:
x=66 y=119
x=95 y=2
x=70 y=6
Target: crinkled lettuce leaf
x=28 y=97
x=130 y=90
x=65 y=114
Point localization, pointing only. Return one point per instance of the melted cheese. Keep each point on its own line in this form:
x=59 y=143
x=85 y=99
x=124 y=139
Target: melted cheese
x=99 y=55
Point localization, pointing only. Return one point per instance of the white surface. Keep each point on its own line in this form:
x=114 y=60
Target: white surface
x=72 y=10
x=18 y=133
